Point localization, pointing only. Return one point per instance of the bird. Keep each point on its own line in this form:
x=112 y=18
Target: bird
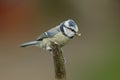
x=61 y=35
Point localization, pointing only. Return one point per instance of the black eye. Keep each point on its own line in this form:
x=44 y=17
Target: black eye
x=72 y=30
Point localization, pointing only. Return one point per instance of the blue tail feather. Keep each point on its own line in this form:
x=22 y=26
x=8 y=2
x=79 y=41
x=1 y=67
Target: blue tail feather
x=32 y=43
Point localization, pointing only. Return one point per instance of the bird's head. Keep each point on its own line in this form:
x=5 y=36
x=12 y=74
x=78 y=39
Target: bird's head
x=70 y=28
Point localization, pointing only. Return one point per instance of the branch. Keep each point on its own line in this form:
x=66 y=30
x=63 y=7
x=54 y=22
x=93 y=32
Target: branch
x=60 y=72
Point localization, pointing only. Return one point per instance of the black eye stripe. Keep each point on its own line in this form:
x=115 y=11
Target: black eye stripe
x=70 y=29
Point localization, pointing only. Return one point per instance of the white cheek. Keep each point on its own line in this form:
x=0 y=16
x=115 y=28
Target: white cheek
x=71 y=33
x=68 y=32
x=65 y=30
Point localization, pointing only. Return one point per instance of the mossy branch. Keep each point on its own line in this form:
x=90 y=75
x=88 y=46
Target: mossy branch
x=60 y=72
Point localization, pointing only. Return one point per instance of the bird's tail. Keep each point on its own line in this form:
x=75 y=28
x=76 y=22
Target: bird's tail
x=32 y=43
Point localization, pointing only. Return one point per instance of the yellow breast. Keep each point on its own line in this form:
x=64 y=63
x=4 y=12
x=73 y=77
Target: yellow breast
x=59 y=38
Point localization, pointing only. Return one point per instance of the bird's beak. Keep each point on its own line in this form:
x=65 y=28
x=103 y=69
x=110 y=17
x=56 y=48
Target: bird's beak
x=78 y=34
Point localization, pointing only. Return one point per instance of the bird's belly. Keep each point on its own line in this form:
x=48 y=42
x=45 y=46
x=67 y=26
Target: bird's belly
x=59 y=38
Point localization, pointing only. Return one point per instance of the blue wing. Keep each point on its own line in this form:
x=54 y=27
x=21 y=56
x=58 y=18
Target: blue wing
x=50 y=33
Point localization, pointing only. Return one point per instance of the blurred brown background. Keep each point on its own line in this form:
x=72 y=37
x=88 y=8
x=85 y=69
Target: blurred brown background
x=94 y=56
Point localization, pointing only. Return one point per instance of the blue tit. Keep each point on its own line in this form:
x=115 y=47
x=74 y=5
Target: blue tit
x=60 y=34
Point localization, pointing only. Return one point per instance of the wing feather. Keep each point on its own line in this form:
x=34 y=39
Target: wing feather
x=50 y=33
